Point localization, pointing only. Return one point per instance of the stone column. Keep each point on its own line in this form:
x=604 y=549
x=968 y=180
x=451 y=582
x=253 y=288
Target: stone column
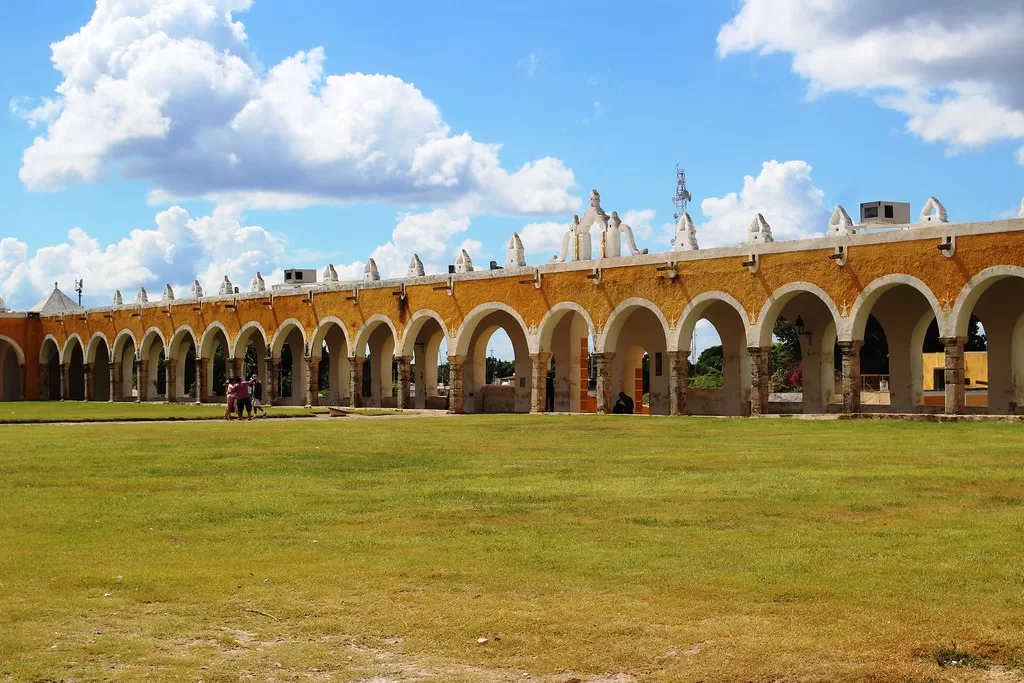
x=850 y=351
x=87 y=381
x=24 y=381
x=114 y=371
x=312 y=381
x=274 y=380
x=63 y=380
x=202 y=387
x=44 y=382
x=678 y=382
x=143 y=394
x=404 y=364
x=231 y=366
x=456 y=393
x=355 y=379
x=539 y=382
x=956 y=398
x=603 y=368
x=760 y=382
x=171 y=380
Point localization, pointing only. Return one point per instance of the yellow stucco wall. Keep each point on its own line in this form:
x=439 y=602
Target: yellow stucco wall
x=699 y=273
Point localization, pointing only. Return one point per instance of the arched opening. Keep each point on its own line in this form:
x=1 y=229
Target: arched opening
x=11 y=368
x=426 y=344
x=492 y=386
x=99 y=362
x=289 y=354
x=125 y=368
x=567 y=334
x=154 y=385
x=182 y=382
x=640 y=366
x=903 y=314
x=251 y=355
x=74 y=367
x=214 y=357
x=713 y=336
x=990 y=322
x=799 y=329
x=375 y=352
x=330 y=351
x=49 y=370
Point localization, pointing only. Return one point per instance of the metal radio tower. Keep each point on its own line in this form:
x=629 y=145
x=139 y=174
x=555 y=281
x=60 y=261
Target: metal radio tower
x=682 y=197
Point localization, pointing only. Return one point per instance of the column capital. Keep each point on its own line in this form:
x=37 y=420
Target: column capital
x=952 y=341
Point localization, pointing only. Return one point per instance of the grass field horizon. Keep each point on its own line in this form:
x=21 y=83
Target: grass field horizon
x=579 y=546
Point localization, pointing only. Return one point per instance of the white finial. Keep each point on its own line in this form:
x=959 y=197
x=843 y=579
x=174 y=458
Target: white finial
x=142 y=297
x=760 y=231
x=933 y=212
x=370 y=272
x=415 y=267
x=1020 y=214
x=3 y=304
x=258 y=285
x=463 y=264
x=840 y=224
x=330 y=274
x=686 y=234
x=226 y=287
x=118 y=299
x=168 y=292
x=515 y=255
x=197 y=290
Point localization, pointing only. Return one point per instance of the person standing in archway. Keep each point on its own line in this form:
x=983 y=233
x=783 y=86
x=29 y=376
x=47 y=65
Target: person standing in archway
x=256 y=389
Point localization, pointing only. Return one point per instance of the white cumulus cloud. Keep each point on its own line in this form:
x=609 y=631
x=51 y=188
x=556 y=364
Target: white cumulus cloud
x=952 y=67
x=177 y=250
x=783 y=192
x=168 y=92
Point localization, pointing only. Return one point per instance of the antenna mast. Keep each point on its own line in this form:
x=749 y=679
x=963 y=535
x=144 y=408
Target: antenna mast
x=682 y=197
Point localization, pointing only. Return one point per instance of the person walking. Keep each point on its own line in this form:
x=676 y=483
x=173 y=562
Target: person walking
x=230 y=390
x=242 y=401
x=256 y=389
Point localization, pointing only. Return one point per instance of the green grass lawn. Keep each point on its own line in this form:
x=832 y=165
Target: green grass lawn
x=656 y=549
x=90 y=411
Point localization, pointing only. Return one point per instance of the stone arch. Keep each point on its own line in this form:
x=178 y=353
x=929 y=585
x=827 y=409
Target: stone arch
x=149 y=337
x=281 y=334
x=320 y=334
x=14 y=345
x=730 y=322
x=960 y=317
x=205 y=348
x=124 y=370
x=777 y=300
x=122 y=338
x=183 y=332
x=92 y=348
x=565 y=335
x=183 y=338
x=415 y=324
x=73 y=337
x=421 y=346
x=608 y=338
x=695 y=310
x=470 y=347
x=333 y=369
x=44 y=357
x=12 y=368
x=852 y=327
x=367 y=328
x=152 y=347
x=242 y=338
x=553 y=316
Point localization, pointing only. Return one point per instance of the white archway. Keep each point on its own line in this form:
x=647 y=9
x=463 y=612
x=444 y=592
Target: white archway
x=852 y=327
x=730 y=321
x=470 y=344
x=72 y=338
x=567 y=333
x=765 y=325
x=422 y=342
x=608 y=337
x=646 y=334
x=12 y=367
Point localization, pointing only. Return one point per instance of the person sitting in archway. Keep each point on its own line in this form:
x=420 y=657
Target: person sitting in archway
x=623 y=406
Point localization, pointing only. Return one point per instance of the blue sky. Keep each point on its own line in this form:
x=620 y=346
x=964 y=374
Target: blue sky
x=596 y=94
